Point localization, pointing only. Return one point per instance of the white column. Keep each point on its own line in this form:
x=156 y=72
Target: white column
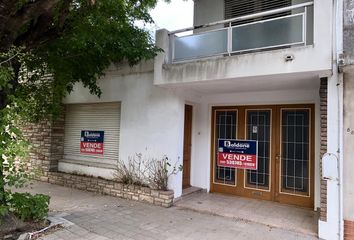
x=331 y=228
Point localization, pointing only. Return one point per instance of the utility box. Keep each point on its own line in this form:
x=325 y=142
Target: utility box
x=330 y=167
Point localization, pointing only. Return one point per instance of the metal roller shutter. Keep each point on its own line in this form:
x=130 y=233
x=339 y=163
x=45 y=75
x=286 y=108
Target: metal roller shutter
x=237 y=8
x=96 y=117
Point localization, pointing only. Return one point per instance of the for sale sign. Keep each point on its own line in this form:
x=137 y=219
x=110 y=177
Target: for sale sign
x=237 y=153
x=92 y=142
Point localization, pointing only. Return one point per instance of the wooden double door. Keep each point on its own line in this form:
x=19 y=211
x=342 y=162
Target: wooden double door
x=285 y=136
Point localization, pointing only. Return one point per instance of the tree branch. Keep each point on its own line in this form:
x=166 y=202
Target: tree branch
x=31 y=23
x=9 y=59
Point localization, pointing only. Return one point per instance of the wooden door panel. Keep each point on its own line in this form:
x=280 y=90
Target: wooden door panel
x=187 y=145
x=296 y=155
x=268 y=181
x=259 y=126
x=226 y=127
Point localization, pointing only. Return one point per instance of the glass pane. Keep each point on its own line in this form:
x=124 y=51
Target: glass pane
x=259 y=128
x=226 y=128
x=265 y=34
x=201 y=45
x=295 y=151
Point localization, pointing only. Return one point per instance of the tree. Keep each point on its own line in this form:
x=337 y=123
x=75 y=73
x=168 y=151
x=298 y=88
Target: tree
x=46 y=46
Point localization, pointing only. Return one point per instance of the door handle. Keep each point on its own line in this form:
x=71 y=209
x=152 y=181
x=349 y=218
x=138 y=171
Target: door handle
x=277 y=157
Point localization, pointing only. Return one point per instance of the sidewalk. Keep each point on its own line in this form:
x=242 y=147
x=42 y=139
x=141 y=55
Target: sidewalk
x=265 y=212
x=103 y=217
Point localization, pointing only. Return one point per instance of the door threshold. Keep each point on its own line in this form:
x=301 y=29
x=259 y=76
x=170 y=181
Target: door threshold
x=190 y=190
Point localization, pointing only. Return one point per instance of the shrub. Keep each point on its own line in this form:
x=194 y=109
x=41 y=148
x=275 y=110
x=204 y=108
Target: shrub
x=29 y=207
x=3 y=211
x=151 y=172
x=131 y=172
x=159 y=171
x=4 y=208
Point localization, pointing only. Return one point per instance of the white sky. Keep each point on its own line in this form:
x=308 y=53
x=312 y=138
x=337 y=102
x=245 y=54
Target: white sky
x=174 y=15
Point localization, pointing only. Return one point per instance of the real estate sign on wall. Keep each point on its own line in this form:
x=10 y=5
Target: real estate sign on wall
x=92 y=142
x=237 y=153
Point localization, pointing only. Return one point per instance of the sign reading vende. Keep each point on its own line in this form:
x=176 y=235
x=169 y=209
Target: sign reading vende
x=92 y=142
x=237 y=153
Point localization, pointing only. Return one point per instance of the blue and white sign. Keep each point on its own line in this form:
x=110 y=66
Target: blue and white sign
x=92 y=142
x=235 y=153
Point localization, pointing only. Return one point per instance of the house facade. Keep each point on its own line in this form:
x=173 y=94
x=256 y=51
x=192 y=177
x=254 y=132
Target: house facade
x=272 y=72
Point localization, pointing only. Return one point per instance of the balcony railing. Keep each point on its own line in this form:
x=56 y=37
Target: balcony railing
x=285 y=31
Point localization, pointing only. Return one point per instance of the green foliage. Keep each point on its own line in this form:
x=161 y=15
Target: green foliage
x=36 y=76
x=3 y=211
x=4 y=208
x=13 y=150
x=95 y=36
x=29 y=207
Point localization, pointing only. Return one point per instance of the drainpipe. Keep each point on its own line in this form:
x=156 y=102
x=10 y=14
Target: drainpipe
x=339 y=62
x=340 y=154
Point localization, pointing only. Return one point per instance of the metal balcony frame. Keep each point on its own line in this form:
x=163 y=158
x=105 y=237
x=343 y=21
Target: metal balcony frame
x=172 y=34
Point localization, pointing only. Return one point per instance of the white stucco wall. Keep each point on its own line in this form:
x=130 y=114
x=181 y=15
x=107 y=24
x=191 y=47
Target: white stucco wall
x=151 y=117
x=348 y=167
x=348 y=129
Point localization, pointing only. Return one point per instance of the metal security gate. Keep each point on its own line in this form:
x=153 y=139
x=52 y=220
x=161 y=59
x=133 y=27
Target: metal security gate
x=285 y=136
x=92 y=117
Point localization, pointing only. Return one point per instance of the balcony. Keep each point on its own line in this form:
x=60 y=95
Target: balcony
x=262 y=32
x=293 y=41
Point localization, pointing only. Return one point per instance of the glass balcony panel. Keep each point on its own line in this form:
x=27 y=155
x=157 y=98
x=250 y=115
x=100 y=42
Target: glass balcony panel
x=268 y=34
x=200 y=45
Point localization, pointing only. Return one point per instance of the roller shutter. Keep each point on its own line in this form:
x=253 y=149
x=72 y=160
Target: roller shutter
x=96 y=117
x=237 y=8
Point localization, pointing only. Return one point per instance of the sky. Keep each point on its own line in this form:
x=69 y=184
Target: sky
x=175 y=15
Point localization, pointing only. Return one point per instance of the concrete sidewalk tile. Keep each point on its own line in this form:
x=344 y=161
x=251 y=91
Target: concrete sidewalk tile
x=98 y=218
